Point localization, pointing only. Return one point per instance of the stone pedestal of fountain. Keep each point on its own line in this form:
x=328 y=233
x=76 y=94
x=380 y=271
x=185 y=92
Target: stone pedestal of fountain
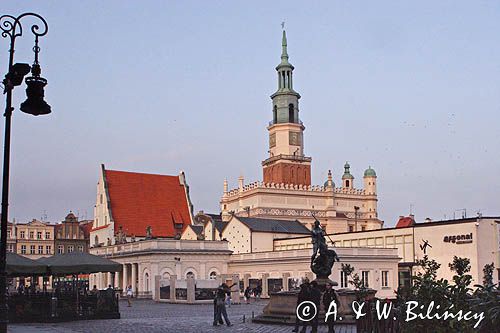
x=282 y=306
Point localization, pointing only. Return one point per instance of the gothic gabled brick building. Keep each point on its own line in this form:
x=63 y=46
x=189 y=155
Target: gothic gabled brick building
x=129 y=203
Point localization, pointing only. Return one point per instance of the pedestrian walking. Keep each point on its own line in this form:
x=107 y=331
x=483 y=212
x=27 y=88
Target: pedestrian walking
x=258 y=291
x=130 y=294
x=316 y=299
x=220 y=303
x=216 y=314
x=328 y=297
x=248 y=294
x=303 y=296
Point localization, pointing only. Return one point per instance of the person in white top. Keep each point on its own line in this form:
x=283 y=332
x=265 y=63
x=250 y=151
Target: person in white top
x=129 y=295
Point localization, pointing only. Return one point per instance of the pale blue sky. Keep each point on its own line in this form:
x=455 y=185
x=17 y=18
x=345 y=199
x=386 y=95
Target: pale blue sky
x=411 y=89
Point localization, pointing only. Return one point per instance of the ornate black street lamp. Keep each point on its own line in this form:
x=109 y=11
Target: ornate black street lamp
x=35 y=105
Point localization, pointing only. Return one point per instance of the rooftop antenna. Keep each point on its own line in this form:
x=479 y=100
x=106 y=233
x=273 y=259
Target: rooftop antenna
x=411 y=209
x=464 y=212
x=44 y=216
x=283 y=25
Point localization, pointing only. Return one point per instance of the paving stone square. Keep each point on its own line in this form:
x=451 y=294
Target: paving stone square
x=150 y=317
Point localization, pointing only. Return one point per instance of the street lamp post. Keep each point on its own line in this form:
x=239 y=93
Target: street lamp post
x=11 y=28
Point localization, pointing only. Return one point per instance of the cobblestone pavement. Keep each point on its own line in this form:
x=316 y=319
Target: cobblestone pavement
x=150 y=317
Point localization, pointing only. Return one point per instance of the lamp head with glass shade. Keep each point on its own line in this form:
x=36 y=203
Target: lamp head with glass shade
x=35 y=103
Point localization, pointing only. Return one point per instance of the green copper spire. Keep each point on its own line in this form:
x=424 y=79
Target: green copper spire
x=285 y=81
x=284 y=54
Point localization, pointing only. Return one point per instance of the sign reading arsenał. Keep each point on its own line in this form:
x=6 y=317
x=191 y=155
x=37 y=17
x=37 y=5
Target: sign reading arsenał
x=458 y=239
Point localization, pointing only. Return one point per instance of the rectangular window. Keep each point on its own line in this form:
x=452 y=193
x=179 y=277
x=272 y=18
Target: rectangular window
x=71 y=248
x=351 y=228
x=80 y=248
x=40 y=249
x=47 y=235
x=404 y=279
x=364 y=278
x=21 y=234
x=23 y=249
x=343 y=280
x=9 y=233
x=385 y=279
x=32 y=235
x=60 y=249
x=48 y=249
x=32 y=249
x=39 y=235
x=10 y=248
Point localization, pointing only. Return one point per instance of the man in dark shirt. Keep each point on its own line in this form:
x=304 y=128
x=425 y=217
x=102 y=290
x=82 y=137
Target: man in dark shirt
x=220 y=304
x=328 y=297
x=316 y=299
x=303 y=296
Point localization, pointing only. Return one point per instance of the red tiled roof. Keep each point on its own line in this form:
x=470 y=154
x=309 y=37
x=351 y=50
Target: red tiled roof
x=405 y=222
x=139 y=200
x=87 y=228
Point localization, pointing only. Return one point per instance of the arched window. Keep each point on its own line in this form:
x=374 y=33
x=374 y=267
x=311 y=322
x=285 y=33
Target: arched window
x=347 y=183
x=275 y=115
x=189 y=274
x=213 y=275
x=291 y=113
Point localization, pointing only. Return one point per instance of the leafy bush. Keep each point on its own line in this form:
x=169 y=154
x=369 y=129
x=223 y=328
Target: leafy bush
x=455 y=297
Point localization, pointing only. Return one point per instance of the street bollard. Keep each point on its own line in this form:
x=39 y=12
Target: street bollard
x=243 y=318
x=53 y=307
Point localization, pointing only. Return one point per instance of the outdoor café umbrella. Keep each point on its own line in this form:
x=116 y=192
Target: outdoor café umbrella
x=78 y=263
x=17 y=265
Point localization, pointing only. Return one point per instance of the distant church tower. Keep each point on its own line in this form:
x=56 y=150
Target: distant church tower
x=286 y=163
